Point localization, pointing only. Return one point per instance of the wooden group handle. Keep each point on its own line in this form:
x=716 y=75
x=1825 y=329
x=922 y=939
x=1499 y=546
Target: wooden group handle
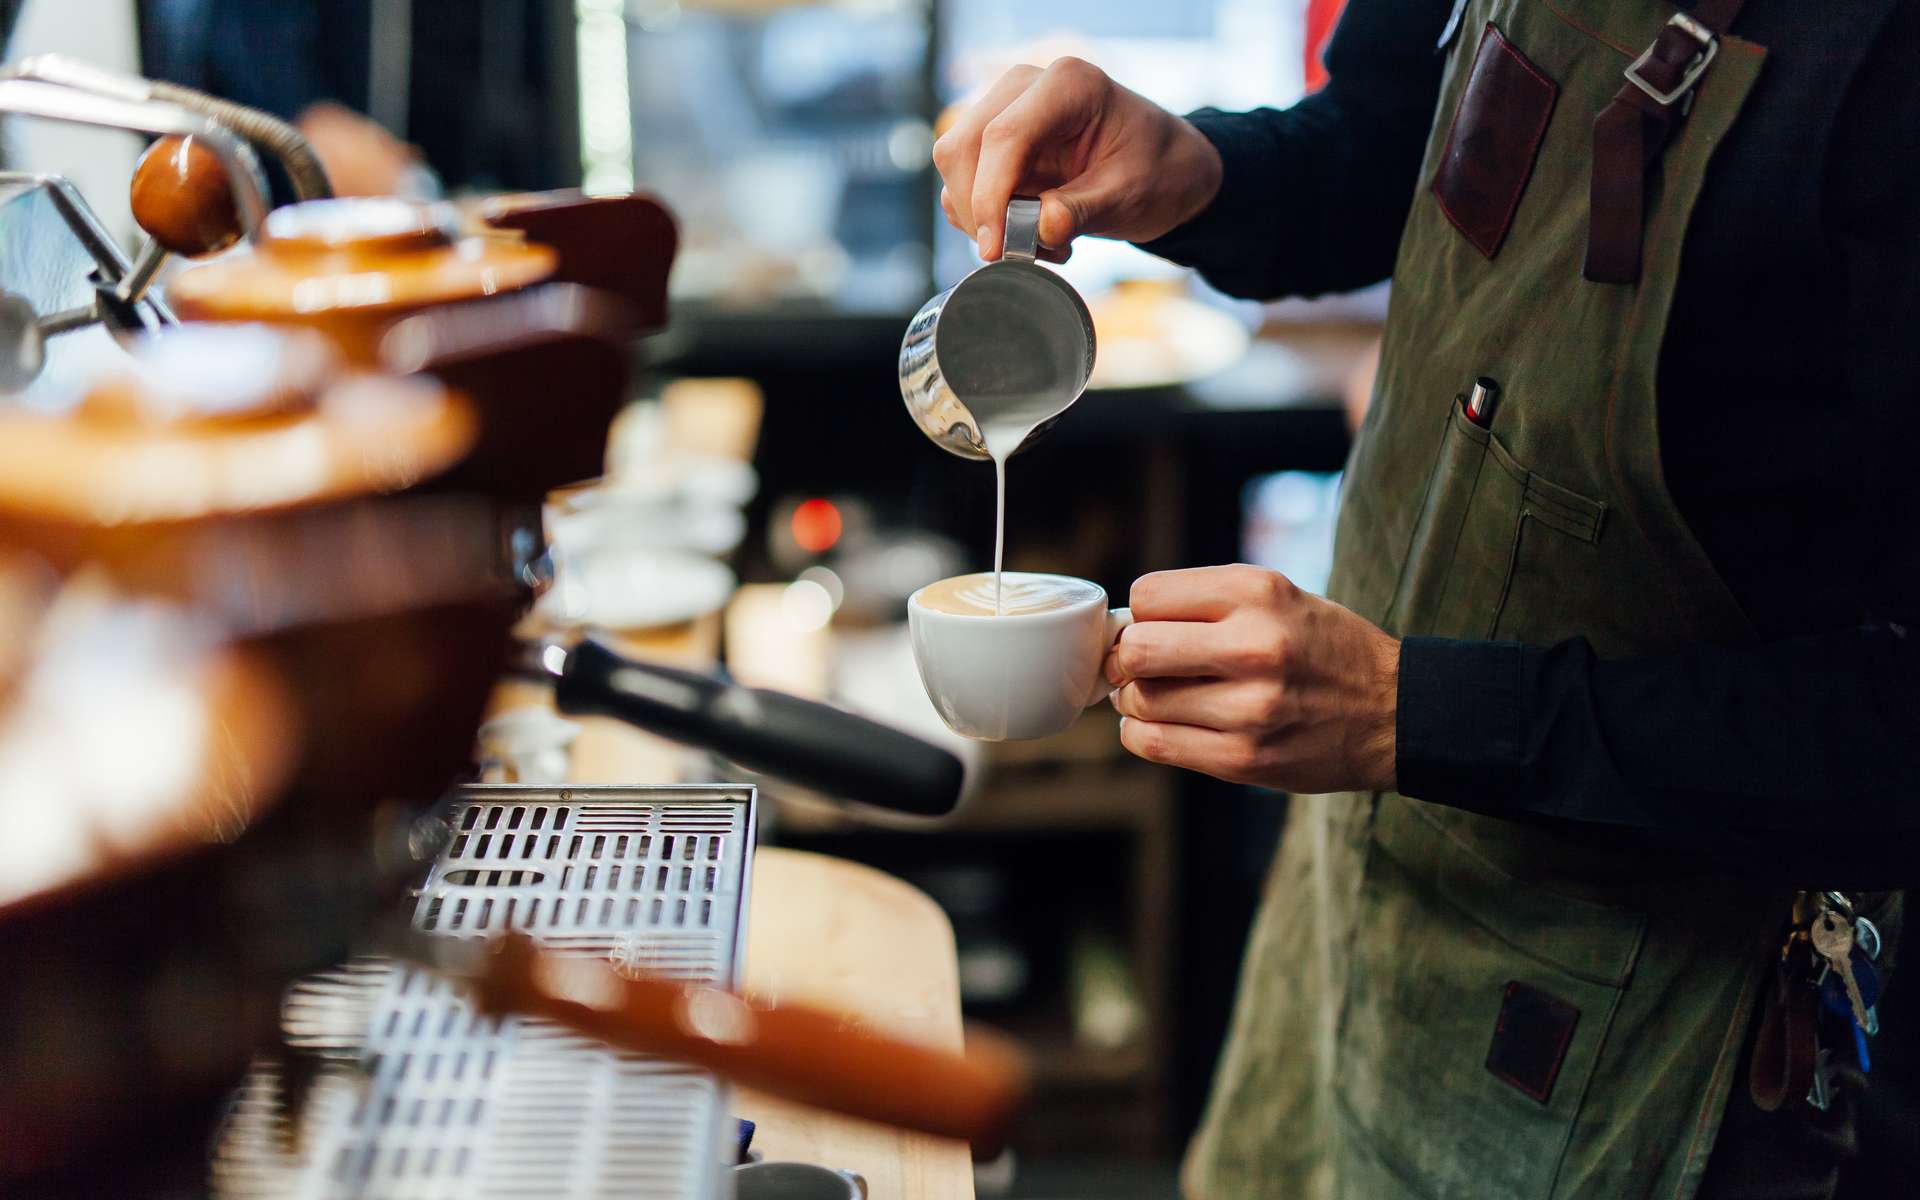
x=797 y=1053
x=182 y=198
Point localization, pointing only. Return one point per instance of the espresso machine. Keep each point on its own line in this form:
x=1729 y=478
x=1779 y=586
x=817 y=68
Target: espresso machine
x=307 y=478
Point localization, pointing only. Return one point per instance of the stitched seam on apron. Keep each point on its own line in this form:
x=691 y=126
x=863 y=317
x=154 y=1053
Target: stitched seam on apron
x=1567 y=20
x=1550 y=503
x=1576 y=522
x=1352 y=932
x=1506 y=579
x=1453 y=548
x=1735 y=1027
x=1418 y=811
x=1599 y=1052
x=1392 y=611
x=1617 y=981
x=1394 y=1167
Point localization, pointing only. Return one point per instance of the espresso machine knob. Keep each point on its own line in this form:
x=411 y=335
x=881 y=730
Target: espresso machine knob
x=181 y=196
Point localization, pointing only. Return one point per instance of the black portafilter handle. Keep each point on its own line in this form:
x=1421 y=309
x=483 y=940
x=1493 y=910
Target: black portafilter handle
x=817 y=746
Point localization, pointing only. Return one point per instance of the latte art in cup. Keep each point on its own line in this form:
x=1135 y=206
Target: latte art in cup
x=1027 y=671
x=1018 y=594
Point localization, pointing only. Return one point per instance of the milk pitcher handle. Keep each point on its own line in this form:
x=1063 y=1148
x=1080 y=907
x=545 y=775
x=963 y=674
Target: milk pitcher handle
x=1022 y=242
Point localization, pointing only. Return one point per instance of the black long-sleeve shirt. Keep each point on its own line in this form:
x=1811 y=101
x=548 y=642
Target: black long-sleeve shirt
x=1790 y=421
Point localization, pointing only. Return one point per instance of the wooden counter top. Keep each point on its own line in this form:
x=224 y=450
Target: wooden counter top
x=847 y=937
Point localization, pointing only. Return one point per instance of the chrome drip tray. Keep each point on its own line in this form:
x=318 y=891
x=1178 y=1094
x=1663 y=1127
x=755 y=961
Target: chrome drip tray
x=407 y=1093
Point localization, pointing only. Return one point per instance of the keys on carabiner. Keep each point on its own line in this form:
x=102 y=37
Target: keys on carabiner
x=1866 y=938
x=1866 y=935
x=1820 y=1095
x=1832 y=936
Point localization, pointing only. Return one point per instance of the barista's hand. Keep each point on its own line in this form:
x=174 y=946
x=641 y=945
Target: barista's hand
x=1103 y=160
x=1236 y=672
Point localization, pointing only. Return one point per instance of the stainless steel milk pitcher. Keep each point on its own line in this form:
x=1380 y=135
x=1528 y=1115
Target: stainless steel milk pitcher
x=1009 y=331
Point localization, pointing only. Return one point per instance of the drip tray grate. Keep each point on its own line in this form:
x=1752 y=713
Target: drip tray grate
x=407 y=1093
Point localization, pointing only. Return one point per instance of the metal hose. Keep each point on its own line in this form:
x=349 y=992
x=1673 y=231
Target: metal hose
x=261 y=130
x=264 y=130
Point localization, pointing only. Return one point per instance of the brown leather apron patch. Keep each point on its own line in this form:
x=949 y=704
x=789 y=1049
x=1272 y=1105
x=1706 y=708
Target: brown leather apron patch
x=1491 y=146
x=1530 y=1040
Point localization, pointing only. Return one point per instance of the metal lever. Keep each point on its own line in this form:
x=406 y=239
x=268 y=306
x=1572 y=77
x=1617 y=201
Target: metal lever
x=56 y=89
x=57 y=102
x=260 y=129
x=826 y=749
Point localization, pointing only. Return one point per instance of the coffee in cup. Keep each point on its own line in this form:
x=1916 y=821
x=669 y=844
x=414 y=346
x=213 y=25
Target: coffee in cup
x=1027 y=671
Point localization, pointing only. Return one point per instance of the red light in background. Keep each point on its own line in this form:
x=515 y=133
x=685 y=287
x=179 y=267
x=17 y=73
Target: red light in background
x=816 y=526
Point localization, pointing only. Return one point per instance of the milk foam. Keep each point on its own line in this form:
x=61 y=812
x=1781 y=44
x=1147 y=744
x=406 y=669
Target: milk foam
x=1017 y=594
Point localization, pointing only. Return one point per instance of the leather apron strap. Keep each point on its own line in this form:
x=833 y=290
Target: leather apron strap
x=1633 y=129
x=1784 y=1047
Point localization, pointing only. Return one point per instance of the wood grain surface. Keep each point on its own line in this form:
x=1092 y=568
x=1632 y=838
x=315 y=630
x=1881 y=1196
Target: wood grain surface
x=845 y=936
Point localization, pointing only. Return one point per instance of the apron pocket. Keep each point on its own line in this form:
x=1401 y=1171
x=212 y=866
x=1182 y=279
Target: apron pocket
x=1494 y=139
x=1481 y=506
x=1474 y=1014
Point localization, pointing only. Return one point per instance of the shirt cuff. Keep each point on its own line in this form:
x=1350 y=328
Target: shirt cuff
x=1460 y=726
x=1246 y=165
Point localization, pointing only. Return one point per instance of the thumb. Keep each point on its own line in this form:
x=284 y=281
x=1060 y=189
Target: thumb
x=1061 y=217
x=1090 y=204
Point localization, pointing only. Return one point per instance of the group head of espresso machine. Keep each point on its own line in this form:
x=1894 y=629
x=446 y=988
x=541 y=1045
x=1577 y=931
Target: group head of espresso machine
x=355 y=441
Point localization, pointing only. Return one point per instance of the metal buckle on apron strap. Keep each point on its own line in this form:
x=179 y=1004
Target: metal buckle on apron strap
x=1709 y=48
x=1632 y=131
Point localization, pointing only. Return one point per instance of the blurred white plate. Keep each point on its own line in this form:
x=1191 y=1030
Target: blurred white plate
x=633 y=587
x=615 y=521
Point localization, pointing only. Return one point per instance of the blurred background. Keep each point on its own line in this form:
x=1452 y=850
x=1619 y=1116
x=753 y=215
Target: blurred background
x=768 y=506
x=1100 y=902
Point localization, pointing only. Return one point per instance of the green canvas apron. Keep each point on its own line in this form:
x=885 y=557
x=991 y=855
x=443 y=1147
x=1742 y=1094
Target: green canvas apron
x=1357 y=1061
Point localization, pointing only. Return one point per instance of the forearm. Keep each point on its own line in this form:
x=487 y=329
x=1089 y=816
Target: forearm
x=1313 y=197
x=1711 y=739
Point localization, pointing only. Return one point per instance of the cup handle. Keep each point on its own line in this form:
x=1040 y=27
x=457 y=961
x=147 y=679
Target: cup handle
x=1117 y=620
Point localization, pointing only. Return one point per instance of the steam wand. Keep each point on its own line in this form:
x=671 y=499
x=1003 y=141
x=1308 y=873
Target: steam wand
x=817 y=746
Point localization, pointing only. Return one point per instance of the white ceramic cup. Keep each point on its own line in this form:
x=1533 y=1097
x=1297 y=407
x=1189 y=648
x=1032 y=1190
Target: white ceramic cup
x=1021 y=675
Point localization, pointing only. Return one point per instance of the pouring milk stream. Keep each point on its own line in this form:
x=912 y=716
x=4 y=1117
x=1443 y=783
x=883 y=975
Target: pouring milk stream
x=996 y=357
x=1004 y=433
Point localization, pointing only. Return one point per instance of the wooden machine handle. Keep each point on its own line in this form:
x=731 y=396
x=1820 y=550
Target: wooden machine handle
x=619 y=244
x=182 y=198
x=802 y=1054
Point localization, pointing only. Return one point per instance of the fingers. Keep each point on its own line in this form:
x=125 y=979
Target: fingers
x=1232 y=756
x=1168 y=649
x=1207 y=593
x=1049 y=252
x=1229 y=704
x=1055 y=109
x=956 y=153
